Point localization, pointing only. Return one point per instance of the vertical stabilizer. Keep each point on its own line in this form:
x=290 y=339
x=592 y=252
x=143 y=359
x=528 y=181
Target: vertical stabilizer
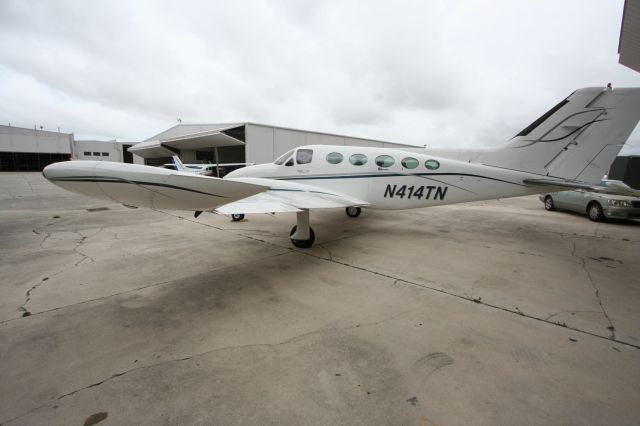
x=179 y=166
x=577 y=139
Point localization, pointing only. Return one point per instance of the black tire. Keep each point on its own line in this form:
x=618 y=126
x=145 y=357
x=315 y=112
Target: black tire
x=353 y=211
x=548 y=203
x=303 y=243
x=237 y=217
x=594 y=211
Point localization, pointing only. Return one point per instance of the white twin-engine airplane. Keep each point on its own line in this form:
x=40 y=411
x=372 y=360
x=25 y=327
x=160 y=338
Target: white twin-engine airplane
x=571 y=146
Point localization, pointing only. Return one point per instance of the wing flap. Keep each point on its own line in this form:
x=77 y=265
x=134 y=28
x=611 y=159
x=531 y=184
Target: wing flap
x=285 y=196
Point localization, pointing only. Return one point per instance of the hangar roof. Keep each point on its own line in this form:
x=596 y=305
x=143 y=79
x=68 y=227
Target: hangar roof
x=169 y=142
x=202 y=136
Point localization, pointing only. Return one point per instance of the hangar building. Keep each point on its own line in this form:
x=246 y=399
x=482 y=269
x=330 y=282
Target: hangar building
x=23 y=149
x=236 y=143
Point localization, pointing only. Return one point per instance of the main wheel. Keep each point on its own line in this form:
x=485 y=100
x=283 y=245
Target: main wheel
x=237 y=217
x=594 y=211
x=303 y=243
x=548 y=203
x=353 y=211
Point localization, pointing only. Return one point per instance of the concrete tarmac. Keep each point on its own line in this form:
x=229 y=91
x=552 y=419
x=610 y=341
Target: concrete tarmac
x=483 y=313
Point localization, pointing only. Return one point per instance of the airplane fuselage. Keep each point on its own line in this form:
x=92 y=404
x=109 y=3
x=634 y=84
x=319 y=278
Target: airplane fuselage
x=389 y=178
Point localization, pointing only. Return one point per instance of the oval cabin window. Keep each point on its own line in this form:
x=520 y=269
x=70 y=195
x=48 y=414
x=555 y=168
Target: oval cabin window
x=385 y=161
x=358 y=159
x=432 y=164
x=410 y=163
x=334 y=158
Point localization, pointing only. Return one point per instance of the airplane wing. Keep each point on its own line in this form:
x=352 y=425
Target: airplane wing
x=284 y=196
x=145 y=186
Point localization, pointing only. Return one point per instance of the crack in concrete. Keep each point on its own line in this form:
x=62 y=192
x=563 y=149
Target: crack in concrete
x=571 y=312
x=207 y=352
x=47 y=235
x=476 y=300
x=328 y=251
x=124 y=292
x=39 y=233
x=23 y=307
x=87 y=301
x=583 y=262
x=79 y=243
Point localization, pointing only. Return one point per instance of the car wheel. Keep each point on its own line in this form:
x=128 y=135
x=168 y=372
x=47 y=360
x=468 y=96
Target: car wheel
x=548 y=203
x=237 y=217
x=353 y=211
x=594 y=211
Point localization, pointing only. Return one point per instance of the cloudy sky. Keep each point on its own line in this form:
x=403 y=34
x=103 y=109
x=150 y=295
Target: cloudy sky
x=441 y=73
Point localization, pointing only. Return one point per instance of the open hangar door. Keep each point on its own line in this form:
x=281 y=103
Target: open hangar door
x=219 y=144
x=29 y=161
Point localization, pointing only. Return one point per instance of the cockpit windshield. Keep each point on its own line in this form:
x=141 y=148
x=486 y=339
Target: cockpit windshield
x=283 y=158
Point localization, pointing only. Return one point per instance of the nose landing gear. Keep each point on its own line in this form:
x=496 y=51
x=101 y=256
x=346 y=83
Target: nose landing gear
x=302 y=236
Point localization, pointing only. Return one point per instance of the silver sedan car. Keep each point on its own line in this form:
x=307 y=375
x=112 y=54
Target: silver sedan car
x=596 y=205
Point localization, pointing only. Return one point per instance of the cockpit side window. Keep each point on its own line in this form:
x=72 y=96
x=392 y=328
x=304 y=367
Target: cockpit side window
x=304 y=156
x=283 y=158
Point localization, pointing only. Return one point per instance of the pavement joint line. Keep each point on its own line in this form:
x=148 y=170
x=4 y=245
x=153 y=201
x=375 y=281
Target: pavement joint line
x=207 y=352
x=230 y=231
x=87 y=301
x=459 y=296
x=474 y=300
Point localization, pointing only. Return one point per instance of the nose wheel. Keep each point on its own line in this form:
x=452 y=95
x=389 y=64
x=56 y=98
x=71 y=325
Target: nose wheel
x=302 y=236
x=236 y=217
x=302 y=243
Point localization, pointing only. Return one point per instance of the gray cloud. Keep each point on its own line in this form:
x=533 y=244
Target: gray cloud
x=448 y=74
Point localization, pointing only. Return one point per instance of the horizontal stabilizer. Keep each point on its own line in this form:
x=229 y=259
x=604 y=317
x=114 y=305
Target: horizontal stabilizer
x=612 y=187
x=562 y=184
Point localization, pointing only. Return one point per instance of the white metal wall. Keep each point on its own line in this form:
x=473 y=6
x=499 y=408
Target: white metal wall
x=18 y=139
x=266 y=143
x=95 y=150
x=260 y=146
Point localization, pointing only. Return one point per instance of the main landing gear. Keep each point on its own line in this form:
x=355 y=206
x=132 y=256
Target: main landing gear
x=302 y=236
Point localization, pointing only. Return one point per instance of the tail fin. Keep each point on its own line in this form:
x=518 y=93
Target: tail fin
x=577 y=139
x=179 y=166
